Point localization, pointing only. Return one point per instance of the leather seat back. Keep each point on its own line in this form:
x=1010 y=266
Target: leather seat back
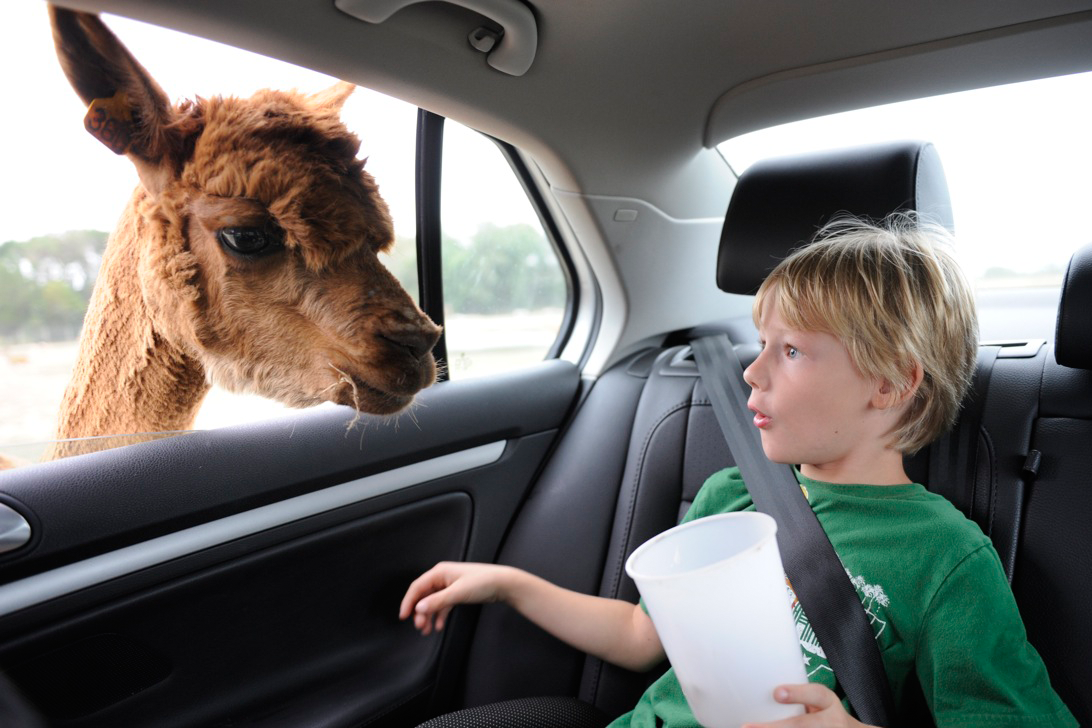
x=1055 y=546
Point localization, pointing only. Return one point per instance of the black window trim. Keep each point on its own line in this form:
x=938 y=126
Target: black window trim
x=429 y=174
x=430 y=276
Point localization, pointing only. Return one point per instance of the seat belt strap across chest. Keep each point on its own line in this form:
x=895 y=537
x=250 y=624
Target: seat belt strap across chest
x=817 y=576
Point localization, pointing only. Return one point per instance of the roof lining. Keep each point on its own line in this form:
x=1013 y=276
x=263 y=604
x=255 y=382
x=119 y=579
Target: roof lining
x=857 y=82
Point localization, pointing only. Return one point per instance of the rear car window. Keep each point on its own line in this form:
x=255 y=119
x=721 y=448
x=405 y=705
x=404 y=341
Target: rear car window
x=1016 y=158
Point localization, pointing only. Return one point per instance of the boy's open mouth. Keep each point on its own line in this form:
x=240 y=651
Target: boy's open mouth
x=761 y=419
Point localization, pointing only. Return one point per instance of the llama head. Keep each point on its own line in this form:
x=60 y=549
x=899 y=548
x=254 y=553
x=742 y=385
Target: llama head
x=255 y=234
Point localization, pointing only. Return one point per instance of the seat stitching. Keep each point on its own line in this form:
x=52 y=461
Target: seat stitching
x=616 y=579
x=993 y=479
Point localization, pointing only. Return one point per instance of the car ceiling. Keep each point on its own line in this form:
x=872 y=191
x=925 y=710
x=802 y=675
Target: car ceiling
x=621 y=93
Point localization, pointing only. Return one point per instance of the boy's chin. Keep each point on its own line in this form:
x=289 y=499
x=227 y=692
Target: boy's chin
x=777 y=454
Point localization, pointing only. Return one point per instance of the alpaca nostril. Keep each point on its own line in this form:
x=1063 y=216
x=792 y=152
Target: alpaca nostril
x=418 y=342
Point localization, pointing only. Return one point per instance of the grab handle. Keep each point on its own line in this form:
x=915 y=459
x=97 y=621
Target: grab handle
x=513 y=54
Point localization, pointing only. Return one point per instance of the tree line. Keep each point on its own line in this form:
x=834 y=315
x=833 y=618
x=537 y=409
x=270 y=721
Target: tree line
x=46 y=282
x=498 y=270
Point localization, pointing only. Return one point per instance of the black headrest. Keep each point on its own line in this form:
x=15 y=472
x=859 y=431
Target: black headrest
x=779 y=204
x=1073 y=337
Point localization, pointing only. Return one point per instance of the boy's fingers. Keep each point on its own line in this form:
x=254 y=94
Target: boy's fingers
x=405 y=609
x=431 y=581
x=431 y=596
x=428 y=622
x=445 y=595
x=410 y=598
x=441 y=618
x=432 y=603
x=816 y=698
x=429 y=613
x=810 y=694
x=810 y=720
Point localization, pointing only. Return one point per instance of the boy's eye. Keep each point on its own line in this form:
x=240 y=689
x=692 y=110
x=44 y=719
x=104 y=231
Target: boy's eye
x=791 y=352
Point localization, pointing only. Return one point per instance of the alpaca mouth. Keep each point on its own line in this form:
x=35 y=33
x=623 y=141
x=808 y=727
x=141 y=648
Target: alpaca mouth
x=377 y=401
x=353 y=391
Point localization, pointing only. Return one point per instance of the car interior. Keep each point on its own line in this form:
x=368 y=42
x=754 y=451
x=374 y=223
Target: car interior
x=251 y=575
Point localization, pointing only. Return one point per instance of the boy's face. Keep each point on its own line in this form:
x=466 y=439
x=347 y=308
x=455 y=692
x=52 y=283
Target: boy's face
x=814 y=408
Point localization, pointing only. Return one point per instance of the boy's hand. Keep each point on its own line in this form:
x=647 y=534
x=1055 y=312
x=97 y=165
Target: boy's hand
x=824 y=708
x=431 y=596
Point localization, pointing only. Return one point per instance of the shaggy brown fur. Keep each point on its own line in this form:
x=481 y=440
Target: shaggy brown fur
x=314 y=316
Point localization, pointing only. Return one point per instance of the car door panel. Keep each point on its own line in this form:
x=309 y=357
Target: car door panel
x=243 y=634
x=251 y=576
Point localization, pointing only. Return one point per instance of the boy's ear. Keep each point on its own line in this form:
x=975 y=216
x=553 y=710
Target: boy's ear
x=889 y=395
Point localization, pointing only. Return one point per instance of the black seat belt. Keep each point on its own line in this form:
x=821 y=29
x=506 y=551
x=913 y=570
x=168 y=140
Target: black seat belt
x=817 y=576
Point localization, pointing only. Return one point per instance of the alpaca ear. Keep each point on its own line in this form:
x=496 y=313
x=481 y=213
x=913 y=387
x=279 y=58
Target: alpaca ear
x=332 y=98
x=127 y=110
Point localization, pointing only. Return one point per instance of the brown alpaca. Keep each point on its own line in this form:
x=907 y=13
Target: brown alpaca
x=247 y=256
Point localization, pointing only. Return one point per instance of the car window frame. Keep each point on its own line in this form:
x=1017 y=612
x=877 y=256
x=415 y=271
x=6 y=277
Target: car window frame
x=429 y=235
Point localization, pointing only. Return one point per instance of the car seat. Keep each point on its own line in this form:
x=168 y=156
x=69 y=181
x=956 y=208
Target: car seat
x=645 y=438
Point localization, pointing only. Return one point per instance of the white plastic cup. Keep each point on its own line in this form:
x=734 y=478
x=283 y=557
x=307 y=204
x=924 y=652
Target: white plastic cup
x=716 y=591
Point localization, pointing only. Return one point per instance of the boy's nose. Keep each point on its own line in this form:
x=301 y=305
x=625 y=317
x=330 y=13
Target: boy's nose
x=753 y=373
x=749 y=374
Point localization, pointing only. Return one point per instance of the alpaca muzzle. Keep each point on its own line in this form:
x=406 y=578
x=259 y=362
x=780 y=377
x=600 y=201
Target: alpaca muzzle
x=417 y=342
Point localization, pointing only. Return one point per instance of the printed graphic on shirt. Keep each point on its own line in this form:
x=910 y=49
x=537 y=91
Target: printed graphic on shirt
x=874 y=599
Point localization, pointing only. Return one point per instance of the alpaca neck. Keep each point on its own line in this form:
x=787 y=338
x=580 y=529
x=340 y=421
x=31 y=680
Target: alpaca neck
x=128 y=378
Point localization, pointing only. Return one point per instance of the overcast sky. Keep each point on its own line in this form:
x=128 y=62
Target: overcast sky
x=1018 y=165
x=1017 y=159
x=57 y=177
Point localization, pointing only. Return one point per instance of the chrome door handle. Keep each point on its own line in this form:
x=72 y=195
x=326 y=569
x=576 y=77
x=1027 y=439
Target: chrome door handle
x=14 y=529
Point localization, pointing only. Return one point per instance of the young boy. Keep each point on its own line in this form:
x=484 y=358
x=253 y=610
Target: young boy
x=869 y=342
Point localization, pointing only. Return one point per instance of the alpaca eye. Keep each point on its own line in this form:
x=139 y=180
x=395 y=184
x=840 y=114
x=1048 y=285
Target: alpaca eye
x=250 y=241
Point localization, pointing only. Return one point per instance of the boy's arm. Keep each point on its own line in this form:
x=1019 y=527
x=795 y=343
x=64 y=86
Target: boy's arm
x=973 y=658
x=610 y=629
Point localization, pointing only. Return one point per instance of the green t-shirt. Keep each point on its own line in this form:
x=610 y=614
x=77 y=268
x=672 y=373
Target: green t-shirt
x=935 y=593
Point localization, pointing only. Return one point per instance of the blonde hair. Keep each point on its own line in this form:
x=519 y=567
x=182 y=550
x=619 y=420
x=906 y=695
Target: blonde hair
x=895 y=296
